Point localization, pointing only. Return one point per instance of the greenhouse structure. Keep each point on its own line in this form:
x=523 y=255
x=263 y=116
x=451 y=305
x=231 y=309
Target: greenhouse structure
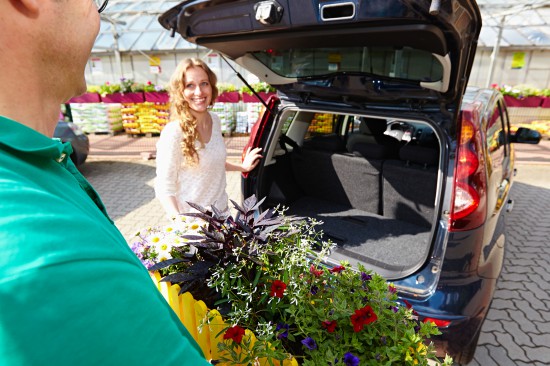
x=133 y=49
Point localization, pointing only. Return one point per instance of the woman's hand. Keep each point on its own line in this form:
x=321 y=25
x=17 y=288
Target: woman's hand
x=251 y=159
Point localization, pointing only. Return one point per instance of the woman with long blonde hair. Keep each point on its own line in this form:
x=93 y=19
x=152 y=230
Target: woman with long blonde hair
x=191 y=154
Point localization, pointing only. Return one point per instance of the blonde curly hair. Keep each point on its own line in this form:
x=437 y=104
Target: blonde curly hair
x=179 y=107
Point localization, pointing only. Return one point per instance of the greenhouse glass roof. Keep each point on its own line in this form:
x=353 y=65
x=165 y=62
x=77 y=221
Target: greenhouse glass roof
x=132 y=26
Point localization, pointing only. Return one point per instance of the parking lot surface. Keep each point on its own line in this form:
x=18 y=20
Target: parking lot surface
x=517 y=329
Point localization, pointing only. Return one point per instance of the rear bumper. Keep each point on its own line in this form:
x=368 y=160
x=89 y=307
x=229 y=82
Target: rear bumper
x=465 y=304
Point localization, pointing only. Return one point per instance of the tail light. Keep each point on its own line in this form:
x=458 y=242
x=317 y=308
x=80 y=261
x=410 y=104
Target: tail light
x=259 y=128
x=440 y=323
x=468 y=210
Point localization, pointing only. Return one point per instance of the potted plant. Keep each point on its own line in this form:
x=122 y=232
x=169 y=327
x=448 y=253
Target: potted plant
x=265 y=272
x=227 y=93
x=264 y=90
x=91 y=96
x=120 y=93
x=155 y=93
x=522 y=96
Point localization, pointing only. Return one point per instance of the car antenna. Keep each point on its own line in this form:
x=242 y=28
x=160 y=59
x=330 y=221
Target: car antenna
x=247 y=84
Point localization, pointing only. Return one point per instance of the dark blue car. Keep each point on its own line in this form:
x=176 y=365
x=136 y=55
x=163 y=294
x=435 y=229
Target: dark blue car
x=374 y=132
x=71 y=132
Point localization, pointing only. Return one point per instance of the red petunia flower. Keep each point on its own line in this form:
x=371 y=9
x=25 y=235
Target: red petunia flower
x=277 y=289
x=315 y=272
x=329 y=325
x=362 y=317
x=337 y=269
x=392 y=289
x=235 y=333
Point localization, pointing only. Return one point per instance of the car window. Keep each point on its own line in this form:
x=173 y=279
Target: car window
x=287 y=122
x=505 y=126
x=495 y=137
x=322 y=124
x=402 y=63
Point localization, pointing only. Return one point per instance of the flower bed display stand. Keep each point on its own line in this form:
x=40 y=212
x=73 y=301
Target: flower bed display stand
x=191 y=312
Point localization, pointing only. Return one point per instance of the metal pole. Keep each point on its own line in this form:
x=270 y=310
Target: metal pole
x=118 y=59
x=494 y=55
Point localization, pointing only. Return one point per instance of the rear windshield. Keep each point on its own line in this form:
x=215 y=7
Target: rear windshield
x=402 y=63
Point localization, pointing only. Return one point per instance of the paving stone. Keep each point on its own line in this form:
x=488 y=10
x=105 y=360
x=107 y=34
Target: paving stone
x=539 y=354
x=541 y=340
x=539 y=287
x=525 y=324
x=514 y=276
x=513 y=350
x=519 y=269
x=520 y=338
x=488 y=338
x=500 y=304
x=511 y=285
x=495 y=314
x=491 y=326
x=543 y=328
x=507 y=294
x=534 y=302
x=483 y=358
x=499 y=356
x=526 y=308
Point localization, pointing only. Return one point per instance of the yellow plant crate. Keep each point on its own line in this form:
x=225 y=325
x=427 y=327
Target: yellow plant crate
x=191 y=312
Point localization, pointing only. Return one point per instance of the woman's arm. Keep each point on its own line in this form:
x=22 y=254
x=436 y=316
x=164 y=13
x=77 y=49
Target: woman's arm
x=168 y=161
x=251 y=159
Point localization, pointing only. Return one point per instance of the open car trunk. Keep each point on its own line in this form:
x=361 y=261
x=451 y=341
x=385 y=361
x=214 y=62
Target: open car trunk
x=375 y=195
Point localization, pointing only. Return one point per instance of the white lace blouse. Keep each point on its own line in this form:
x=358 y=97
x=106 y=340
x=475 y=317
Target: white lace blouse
x=203 y=183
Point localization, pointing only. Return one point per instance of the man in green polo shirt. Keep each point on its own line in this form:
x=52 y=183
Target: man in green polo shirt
x=71 y=290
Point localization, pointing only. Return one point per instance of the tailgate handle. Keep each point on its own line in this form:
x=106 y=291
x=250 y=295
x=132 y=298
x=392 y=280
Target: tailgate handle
x=337 y=11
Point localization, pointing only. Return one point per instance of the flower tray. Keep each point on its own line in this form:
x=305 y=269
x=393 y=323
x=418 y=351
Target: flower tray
x=85 y=98
x=229 y=97
x=157 y=97
x=191 y=312
x=123 y=98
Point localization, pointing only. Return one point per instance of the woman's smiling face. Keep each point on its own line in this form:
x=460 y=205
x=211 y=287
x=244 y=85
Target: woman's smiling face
x=198 y=90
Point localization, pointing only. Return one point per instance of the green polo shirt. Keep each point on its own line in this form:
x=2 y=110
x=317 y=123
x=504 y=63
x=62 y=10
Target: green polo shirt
x=71 y=290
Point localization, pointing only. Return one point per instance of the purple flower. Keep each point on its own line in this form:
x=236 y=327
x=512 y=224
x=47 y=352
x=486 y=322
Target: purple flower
x=365 y=277
x=314 y=290
x=383 y=340
x=377 y=357
x=309 y=343
x=148 y=263
x=351 y=360
x=283 y=334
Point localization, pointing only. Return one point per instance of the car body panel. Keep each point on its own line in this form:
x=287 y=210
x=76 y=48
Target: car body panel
x=237 y=28
x=70 y=132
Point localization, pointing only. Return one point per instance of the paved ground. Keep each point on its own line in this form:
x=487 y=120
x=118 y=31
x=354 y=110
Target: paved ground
x=517 y=329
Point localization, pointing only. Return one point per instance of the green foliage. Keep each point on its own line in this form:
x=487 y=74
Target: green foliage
x=222 y=88
x=522 y=91
x=124 y=86
x=93 y=89
x=258 y=87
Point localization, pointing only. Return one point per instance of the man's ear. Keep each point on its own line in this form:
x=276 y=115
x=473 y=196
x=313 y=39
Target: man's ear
x=28 y=7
